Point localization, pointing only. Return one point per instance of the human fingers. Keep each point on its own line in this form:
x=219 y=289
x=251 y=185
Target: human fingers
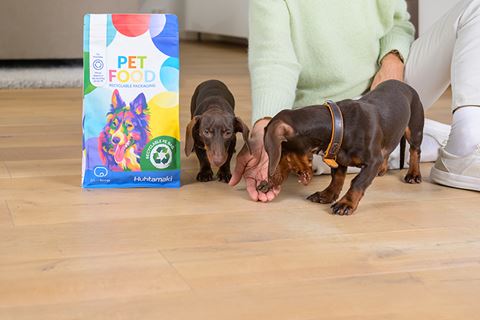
x=240 y=166
x=252 y=188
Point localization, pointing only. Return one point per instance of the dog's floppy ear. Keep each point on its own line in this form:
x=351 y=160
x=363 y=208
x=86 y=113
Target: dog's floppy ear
x=240 y=126
x=189 y=141
x=117 y=101
x=139 y=104
x=276 y=133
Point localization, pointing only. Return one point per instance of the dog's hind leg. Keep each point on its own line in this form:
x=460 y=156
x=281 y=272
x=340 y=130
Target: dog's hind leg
x=413 y=175
x=414 y=136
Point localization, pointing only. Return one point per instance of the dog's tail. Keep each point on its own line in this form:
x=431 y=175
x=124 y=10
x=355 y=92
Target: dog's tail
x=403 y=146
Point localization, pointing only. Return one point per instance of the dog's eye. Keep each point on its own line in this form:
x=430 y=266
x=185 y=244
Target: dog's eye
x=227 y=133
x=115 y=122
x=206 y=132
x=129 y=126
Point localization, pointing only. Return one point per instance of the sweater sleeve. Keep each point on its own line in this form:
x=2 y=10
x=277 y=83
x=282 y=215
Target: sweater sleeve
x=274 y=69
x=401 y=36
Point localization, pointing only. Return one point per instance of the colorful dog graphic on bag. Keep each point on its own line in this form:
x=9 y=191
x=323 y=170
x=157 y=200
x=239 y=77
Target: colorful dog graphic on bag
x=125 y=135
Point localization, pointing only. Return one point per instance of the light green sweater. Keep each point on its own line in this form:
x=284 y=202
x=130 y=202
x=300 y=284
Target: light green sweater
x=303 y=52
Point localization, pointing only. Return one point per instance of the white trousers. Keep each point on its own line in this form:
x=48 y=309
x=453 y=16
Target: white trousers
x=448 y=53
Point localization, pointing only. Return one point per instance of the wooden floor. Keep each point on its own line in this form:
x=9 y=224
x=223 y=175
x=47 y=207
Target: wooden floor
x=207 y=252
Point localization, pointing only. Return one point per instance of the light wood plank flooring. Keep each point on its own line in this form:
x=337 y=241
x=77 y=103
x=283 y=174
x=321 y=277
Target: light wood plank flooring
x=207 y=252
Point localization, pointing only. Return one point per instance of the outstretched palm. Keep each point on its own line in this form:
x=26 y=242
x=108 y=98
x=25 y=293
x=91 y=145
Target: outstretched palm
x=254 y=167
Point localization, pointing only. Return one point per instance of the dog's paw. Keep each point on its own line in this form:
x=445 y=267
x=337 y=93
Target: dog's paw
x=413 y=178
x=342 y=208
x=205 y=176
x=224 y=176
x=324 y=197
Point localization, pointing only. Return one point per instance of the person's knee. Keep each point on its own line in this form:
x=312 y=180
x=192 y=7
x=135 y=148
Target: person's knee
x=469 y=13
x=467 y=3
x=472 y=7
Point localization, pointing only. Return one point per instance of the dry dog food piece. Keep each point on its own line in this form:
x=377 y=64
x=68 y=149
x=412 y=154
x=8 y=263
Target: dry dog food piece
x=131 y=134
x=264 y=186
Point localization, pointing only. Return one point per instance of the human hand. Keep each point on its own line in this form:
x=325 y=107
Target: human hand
x=392 y=68
x=254 y=166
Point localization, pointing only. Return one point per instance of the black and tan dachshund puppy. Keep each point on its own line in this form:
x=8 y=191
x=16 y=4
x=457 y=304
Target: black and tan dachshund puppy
x=373 y=126
x=211 y=132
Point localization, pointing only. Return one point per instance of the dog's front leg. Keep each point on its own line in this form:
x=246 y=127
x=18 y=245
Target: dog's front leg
x=332 y=192
x=349 y=202
x=224 y=174
x=206 y=173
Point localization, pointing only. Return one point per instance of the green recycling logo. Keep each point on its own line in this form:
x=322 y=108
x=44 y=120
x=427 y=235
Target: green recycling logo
x=160 y=154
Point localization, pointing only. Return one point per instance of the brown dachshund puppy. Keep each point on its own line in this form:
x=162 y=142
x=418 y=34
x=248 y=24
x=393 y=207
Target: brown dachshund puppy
x=211 y=132
x=372 y=128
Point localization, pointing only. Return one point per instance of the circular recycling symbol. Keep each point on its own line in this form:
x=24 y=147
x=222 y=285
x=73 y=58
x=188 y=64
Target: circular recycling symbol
x=161 y=156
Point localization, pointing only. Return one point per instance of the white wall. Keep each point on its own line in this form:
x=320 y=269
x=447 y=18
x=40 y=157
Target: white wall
x=431 y=10
x=222 y=17
x=167 y=6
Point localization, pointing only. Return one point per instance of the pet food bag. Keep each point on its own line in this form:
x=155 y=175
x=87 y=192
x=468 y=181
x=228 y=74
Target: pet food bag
x=131 y=134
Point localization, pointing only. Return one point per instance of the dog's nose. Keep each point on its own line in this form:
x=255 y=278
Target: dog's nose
x=116 y=140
